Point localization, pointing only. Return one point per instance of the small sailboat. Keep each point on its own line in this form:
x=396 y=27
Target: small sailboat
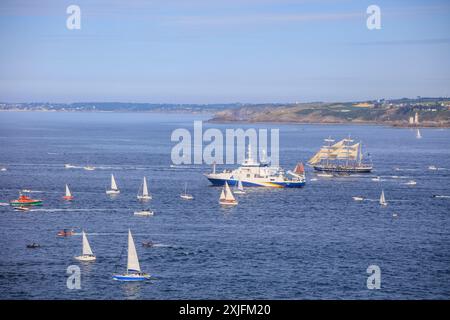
x=144 y=213
x=240 y=188
x=185 y=195
x=114 y=189
x=143 y=191
x=133 y=272
x=227 y=197
x=383 y=199
x=418 y=135
x=87 y=254
x=68 y=195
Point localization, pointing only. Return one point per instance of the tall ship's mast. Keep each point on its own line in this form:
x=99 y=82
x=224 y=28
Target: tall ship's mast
x=344 y=156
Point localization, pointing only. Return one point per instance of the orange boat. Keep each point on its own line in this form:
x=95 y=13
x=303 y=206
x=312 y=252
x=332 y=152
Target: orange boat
x=25 y=201
x=65 y=233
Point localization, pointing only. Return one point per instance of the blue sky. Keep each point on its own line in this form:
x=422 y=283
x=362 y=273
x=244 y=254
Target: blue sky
x=206 y=51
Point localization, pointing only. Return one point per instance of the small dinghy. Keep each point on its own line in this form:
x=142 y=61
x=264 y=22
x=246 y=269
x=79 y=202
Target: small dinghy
x=147 y=244
x=143 y=194
x=114 y=190
x=383 y=199
x=89 y=168
x=432 y=167
x=376 y=179
x=65 y=233
x=411 y=183
x=33 y=245
x=185 y=195
x=68 y=196
x=87 y=254
x=239 y=188
x=358 y=198
x=226 y=197
x=144 y=213
x=133 y=272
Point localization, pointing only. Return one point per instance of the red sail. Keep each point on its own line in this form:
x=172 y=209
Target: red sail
x=299 y=168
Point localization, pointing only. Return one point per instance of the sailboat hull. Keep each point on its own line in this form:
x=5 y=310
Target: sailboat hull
x=343 y=169
x=112 y=191
x=131 y=277
x=85 y=258
x=144 y=198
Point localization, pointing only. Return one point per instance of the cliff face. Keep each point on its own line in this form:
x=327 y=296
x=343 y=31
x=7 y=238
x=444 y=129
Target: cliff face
x=335 y=113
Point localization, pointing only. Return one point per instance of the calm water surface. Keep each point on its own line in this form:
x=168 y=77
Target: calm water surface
x=308 y=243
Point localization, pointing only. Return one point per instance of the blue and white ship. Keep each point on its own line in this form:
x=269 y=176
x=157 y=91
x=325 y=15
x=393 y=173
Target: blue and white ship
x=252 y=173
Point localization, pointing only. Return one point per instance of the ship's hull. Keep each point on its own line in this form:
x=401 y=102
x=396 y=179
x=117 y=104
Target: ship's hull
x=270 y=184
x=27 y=203
x=343 y=169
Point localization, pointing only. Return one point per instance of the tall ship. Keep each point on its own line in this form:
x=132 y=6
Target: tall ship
x=252 y=173
x=344 y=156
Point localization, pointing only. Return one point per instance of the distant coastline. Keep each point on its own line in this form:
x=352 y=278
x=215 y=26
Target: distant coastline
x=410 y=113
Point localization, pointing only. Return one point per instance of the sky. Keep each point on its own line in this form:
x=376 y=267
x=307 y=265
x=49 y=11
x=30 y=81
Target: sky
x=223 y=51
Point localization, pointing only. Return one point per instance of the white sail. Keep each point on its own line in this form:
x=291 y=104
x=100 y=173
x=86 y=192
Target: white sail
x=240 y=186
x=144 y=188
x=68 y=194
x=133 y=262
x=382 y=198
x=222 y=195
x=113 y=183
x=86 y=247
x=228 y=194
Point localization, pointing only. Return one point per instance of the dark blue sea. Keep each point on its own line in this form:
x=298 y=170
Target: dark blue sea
x=309 y=243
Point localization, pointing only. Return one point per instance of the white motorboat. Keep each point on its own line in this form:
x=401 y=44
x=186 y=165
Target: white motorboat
x=144 y=213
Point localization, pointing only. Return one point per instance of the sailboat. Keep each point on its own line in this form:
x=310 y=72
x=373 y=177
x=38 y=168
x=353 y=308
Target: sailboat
x=227 y=197
x=114 y=189
x=133 y=272
x=240 y=188
x=185 y=195
x=68 y=195
x=143 y=191
x=382 y=199
x=418 y=135
x=87 y=254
